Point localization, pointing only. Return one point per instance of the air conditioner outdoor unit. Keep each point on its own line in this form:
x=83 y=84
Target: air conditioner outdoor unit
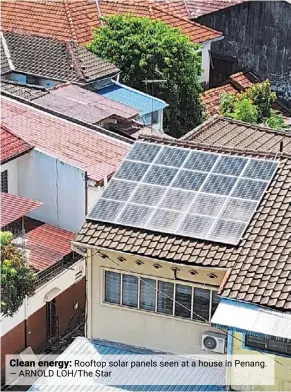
x=214 y=341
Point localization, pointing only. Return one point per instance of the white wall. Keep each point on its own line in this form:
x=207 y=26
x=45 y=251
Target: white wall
x=137 y=327
x=205 y=63
x=11 y=167
x=59 y=186
x=93 y=193
x=62 y=281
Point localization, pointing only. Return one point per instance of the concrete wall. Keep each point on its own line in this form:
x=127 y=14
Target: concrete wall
x=59 y=186
x=282 y=375
x=137 y=327
x=11 y=167
x=205 y=62
x=258 y=35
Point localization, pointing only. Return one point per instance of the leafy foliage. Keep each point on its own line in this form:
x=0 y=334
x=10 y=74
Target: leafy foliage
x=149 y=49
x=253 y=106
x=17 y=278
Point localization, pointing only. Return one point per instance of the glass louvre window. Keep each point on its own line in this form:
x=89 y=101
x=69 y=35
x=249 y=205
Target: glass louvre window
x=129 y=290
x=4 y=181
x=147 y=294
x=112 y=287
x=183 y=297
x=201 y=304
x=165 y=304
x=256 y=342
x=279 y=346
x=276 y=345
x=215 y=301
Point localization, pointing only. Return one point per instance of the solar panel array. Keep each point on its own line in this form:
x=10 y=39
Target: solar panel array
x=187 y=192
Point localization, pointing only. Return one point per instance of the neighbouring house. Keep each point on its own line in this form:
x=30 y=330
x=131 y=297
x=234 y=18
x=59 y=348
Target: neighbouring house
x=66 y=168
x=235 y=84
x=58 y=304
x=27 y=60
x=183 y=224
x=254 y=31
x=77 y=20
x=47 y=61
x=253 y=330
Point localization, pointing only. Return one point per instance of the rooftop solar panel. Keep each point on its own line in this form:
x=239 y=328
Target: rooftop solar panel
x=186 y=192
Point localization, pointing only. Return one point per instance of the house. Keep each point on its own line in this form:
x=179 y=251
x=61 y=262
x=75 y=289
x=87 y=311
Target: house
x=77 y=19
x=250 y=47
x=57 y=306
x=255 y=331
x=24 y=62
x=36 y=60
x=235 y=84
x=67 y=166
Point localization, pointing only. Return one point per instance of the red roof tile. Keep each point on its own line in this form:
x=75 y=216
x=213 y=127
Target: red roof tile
x=89 y=150
x=14 y=207
x=75 y=19
x=12 y=146
x=198 y=8
x=47 y=245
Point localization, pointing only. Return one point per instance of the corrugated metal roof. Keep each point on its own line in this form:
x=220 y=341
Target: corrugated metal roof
x=144 y=103
x=86 y=350
x=14 y=207
x=248 y=317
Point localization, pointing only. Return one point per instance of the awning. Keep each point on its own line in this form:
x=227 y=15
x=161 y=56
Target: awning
x=248 y=317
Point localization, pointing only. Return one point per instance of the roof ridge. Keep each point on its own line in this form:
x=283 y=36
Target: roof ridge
x=7 y=129
x=200 y=127
x=6 y=51
x=159 y=8
x=75 y=60
x=70 y=20
x=193 y=144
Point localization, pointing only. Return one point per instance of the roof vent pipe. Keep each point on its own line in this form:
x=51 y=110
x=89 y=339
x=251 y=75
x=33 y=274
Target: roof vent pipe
x=281 y=146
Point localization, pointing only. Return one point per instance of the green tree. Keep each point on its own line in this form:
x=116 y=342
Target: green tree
x=276 y=120
x=149 y=49
x=245 y=110
x=17 y=278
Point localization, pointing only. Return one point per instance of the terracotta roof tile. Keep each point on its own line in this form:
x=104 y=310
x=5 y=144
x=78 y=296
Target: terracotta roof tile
x=14 y=207
x=76 y=19
x=12 y=146
x=96 y=153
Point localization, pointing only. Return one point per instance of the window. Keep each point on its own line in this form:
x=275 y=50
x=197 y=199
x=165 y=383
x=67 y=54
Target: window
x=155 y=117
x=165 y=293
x=129 y=290
x=112 y=287
x=4 y=181
x=183 y=297
x=201 y=304
x=274 y=345
x=148 y=294
x=157 y=296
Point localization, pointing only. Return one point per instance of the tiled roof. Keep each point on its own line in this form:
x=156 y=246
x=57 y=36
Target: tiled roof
x=49 y=57
x=261 y=263
x=46 y=245
x=27 y=92
x=89 y=150
x=84 y=105
x=14 y=207
x=5 y=67
x=12 y=146
x=76 y=19
x=224 y=132
x=235 y=84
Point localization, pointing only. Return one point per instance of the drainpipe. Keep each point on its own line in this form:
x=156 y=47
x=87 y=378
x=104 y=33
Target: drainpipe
x=25 y=322
x=88 y=319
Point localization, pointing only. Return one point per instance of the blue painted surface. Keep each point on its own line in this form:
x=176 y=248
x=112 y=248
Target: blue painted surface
x=144 y=103
x=86 y=349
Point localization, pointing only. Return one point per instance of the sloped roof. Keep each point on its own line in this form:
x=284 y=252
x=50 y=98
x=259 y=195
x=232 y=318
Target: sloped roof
x=76 y=19
x=46 y=244
x=235 y=84
x=260 y=263
x=224 y=132
x=14 y=207
x=49 y=57
x=12 y=146
x=84 y=105
x=89 y=150
x=28 y=92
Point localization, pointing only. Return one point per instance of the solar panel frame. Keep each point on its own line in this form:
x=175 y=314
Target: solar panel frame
x=153 y=161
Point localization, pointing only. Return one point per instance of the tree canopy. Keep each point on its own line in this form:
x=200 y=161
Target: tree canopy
x=146 y=49
x=17 y=278
x=253 y=106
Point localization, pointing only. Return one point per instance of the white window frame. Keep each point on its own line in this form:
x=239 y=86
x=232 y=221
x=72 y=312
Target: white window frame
x=156 y=279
